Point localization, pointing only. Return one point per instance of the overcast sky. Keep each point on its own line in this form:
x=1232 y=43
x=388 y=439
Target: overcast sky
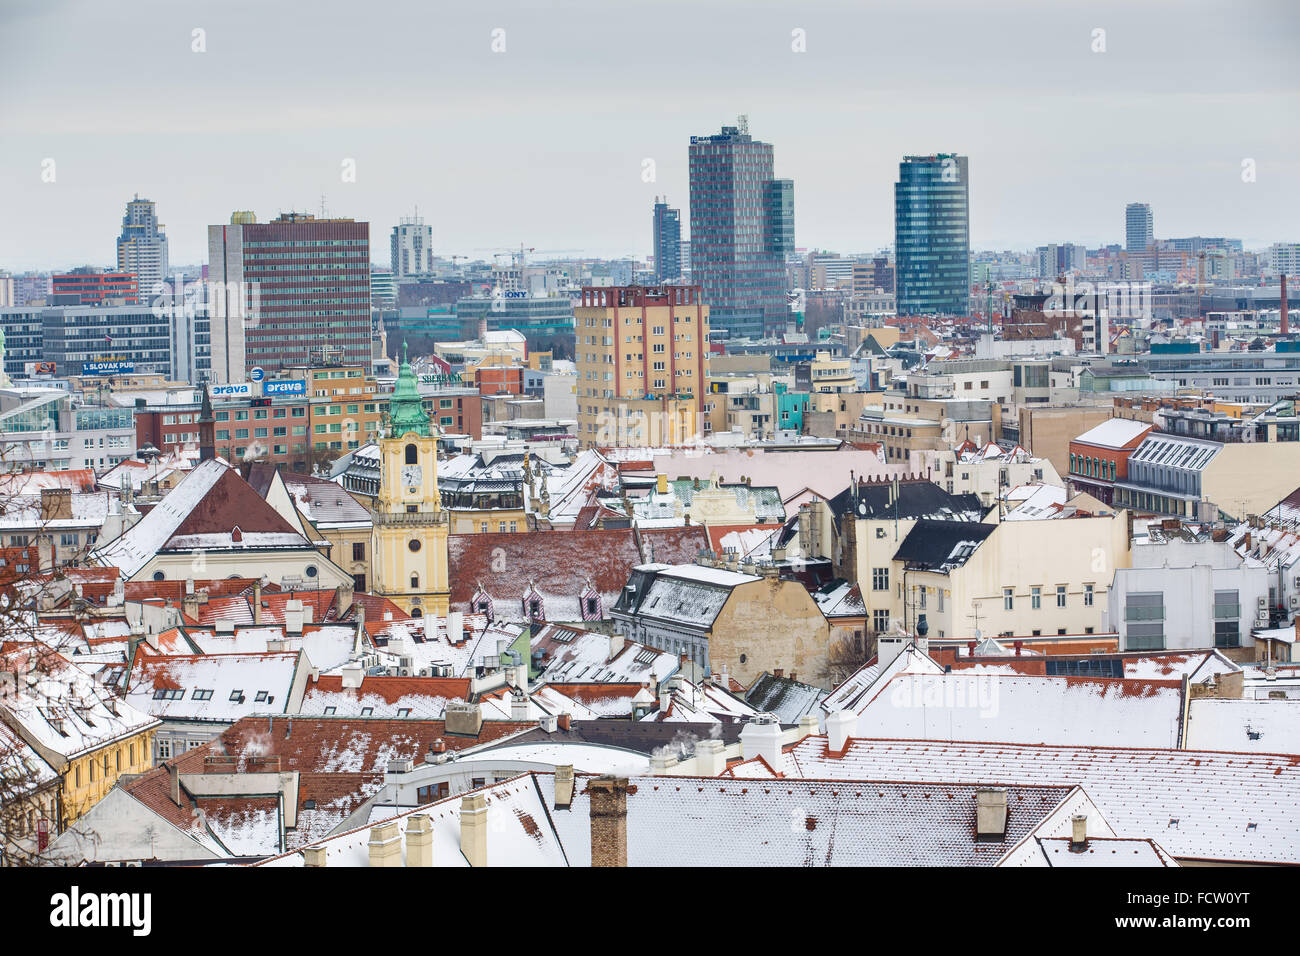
x=545 y=142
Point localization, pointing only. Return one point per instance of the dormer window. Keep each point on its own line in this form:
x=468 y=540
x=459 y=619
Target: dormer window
x=236 y=534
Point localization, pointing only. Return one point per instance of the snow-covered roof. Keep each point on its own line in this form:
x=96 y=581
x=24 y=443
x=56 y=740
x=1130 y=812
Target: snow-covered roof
x=1016 y=708
x=572 y=654
x=1244 y=725
x=212 y=687
x=60 y=709
x=1229 y=807
x=89 y=511
x=423 y=698
x=1113 y=432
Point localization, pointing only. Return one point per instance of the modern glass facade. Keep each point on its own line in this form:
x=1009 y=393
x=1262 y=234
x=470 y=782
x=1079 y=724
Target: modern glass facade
x=668 y=242
x=1137 y=227
x=742 y=227
x=932 y=235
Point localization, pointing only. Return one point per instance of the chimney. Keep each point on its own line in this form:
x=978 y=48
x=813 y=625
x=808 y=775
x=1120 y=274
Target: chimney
x=1285 y=328
x=564 y=722
x=970 y=648
x=808 y=725
x=888 y=648
x=840 y=726
x=56 y=504
x=518 y=706
x=343 y=596
x=455 y=627
x=1019 y=645
x=385 y=845
x=313 y=856
x=990 y=814
x=353 y=675
x=293 y=614
x=473 y=828
x=462 y=717
x=778 y=673
x=615 y=645
x=419 y=840
x=710 y=760
x=665 y=696
x=563 y=786
x=44 y=552
x=1078 y=833
x=257 y=603
x=608 y=821
x=761 y=737
x=174 y=783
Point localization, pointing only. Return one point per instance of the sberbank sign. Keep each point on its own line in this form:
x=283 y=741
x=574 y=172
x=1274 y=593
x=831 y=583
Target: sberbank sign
x=448 y=378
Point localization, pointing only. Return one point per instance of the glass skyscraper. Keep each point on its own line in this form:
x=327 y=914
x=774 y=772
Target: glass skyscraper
x=1138 y=226
x=668 y=242
x=932 y=235
x=742 y=228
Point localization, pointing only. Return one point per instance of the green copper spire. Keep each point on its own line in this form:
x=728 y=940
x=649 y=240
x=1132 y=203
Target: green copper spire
x=405 y=407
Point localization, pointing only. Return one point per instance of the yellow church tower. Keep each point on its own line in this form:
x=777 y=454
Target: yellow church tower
x=409 y=539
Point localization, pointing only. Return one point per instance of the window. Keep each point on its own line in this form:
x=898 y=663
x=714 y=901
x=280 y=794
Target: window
x=358 y=551
x=330 y=711
x=236 y=695
x=201 y=695
x=1060 y=595
x=415 y=582
x=412 y=454
x=434 y=791
x=1087 y=595
x=1036 y=598
x=1008 y=599
x=880 y=621
x=413 y=544
x=880 y=579
x=164 y=752
x=367 y=711
x=403 y=712
x=164 y=693
x=1144 y=617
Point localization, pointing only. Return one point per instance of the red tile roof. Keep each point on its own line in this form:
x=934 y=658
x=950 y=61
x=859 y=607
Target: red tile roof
x=231 y=502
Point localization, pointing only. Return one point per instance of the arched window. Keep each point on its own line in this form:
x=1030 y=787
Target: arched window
x=412 y=454
x=416 y=612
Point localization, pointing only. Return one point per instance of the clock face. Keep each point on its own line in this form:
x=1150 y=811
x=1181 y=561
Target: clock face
x=411 y=476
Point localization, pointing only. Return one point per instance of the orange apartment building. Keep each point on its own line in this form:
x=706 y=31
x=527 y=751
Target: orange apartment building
x=642 y=360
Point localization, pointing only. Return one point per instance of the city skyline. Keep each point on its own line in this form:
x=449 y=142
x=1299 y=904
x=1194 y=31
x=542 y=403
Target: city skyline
x=468 y=136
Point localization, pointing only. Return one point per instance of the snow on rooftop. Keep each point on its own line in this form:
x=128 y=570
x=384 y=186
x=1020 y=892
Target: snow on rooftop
x=1244 y=725
x=1113 y=433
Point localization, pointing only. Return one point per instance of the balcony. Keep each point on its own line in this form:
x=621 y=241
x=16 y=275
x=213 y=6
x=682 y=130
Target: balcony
x=420 y=518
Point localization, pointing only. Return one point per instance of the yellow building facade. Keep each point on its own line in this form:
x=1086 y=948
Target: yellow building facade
x=410 y=527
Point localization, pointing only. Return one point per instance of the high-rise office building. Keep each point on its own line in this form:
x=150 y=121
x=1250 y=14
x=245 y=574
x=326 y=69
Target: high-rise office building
x=283 y=287
x=742 y=229
x=411 y=248
x=1061 y=258
x=1137 y=227
x=642 y=364
x=932 y=235
x=142 y=247
x=668 y=241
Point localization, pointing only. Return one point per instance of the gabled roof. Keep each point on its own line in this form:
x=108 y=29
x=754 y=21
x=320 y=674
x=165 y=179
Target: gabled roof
x=212 y=687
x=423 y=698
x=203 y=511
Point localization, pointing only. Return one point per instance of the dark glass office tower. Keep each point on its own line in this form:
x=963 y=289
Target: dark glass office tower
x=668 y=242
x=932 y=235
x=742 y=228
x=1138 y=227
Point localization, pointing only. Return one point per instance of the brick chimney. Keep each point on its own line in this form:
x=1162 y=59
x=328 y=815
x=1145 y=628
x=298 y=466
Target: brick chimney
x=608 y=821
x=56 y=504
x=385 y=845
x=419 y=840
x=473 y=828
x=174 y=783
x=257 y=602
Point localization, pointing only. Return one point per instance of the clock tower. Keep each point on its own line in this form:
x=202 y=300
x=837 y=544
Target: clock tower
x=409 y=536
